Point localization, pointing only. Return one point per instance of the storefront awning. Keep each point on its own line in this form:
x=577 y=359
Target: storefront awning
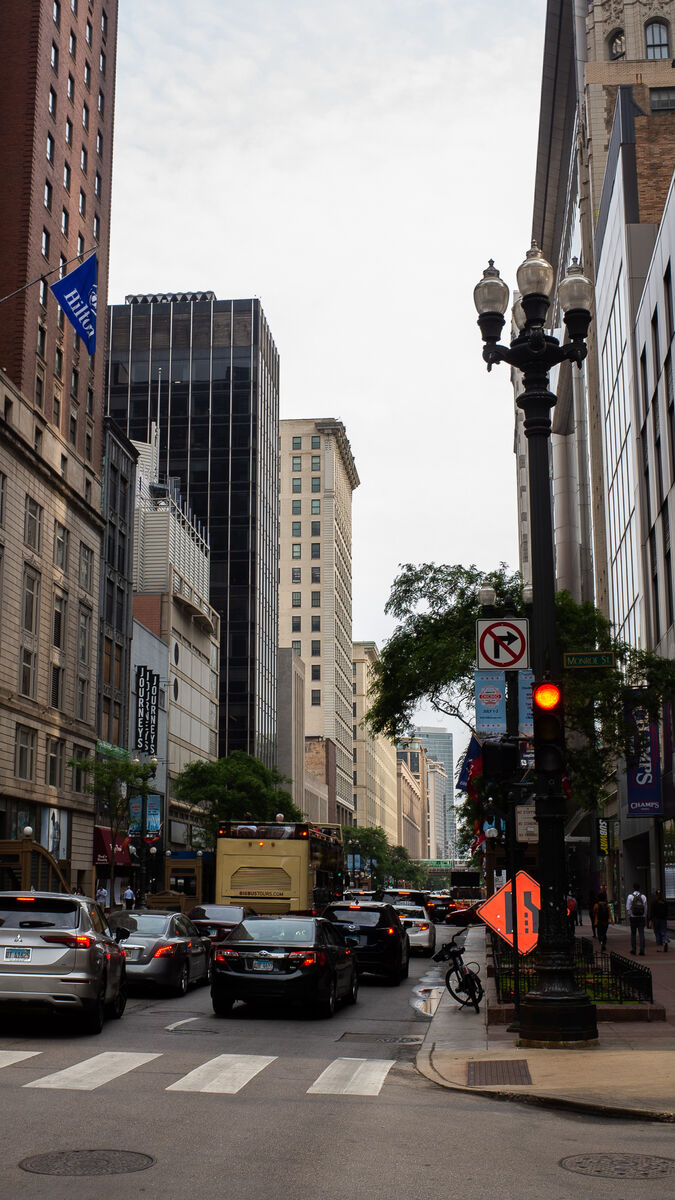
x=103 y=845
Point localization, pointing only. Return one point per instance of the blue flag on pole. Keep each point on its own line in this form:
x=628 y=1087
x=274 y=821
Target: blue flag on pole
x=76 y=293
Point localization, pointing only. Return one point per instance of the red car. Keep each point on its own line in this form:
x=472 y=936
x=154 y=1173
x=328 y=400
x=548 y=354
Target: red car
x=465 y=914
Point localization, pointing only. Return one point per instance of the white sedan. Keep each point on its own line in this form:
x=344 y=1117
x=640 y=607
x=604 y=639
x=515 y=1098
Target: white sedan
x=419 y=927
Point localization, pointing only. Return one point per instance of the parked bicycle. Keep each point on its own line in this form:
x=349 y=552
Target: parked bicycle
x=462 y=981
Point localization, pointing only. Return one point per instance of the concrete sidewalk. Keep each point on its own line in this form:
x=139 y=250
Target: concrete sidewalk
x=629 y=1072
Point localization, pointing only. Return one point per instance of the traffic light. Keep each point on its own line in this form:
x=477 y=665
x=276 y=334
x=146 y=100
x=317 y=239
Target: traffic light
x=501 y=760
x=549 y=729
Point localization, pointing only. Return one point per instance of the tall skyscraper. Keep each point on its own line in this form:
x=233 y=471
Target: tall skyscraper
x=207 y=371
x=318 y=476
x=57 y=100
x=439 y=746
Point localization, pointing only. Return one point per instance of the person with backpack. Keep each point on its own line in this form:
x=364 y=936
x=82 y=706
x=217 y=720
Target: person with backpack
x=658 y=919
x=636 y=910
x=601 y=917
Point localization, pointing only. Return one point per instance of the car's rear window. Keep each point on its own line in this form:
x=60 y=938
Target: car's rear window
x=144 y=924
x=29 y=913
x=216 y=912
x=409 y=910
x=274 y=930
x=358 y=916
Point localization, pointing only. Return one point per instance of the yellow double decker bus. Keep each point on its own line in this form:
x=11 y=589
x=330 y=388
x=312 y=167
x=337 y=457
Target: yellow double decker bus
x=279 y=867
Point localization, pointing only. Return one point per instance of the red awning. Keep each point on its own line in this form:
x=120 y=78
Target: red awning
x=103 y=845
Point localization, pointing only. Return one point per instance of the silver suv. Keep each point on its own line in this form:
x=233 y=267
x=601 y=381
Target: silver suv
x=57 y=952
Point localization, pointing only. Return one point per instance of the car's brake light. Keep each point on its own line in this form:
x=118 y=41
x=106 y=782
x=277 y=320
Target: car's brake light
x=221 y=955
x=164 y=951
x=431 y=904
x=309 y=958
x=30 y=899
x=75 y=941
x=424 y=928
x=354 y=907
x=391 y=930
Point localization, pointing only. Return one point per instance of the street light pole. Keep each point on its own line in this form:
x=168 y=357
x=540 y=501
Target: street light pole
x=555 y=1012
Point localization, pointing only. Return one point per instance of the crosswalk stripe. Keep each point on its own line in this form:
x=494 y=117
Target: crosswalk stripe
x=9 y=1057
x=352 y=1077
x=227 y=1074
x=93 y=1072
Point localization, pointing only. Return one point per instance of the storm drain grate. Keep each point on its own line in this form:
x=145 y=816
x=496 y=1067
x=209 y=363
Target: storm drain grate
x=507 y=1070
x=414 y=1039
x=620 y=1166
x=87 y=1162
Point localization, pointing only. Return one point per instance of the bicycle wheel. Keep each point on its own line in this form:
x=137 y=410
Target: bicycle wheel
x=474 y=990
x=453 y=982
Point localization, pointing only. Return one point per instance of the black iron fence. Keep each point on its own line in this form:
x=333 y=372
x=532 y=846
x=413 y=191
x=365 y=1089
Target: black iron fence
x=606 y=978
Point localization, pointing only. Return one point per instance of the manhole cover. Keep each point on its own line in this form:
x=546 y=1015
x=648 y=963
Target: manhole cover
x=507 y=1070
x=620 y=1166
x=87 y=1162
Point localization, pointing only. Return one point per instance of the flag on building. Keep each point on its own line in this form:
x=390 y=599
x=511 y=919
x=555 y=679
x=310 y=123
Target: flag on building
x=76 y=293
x=473 y=751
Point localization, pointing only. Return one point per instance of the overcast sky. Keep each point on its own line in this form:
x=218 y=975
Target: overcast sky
x=354 y=163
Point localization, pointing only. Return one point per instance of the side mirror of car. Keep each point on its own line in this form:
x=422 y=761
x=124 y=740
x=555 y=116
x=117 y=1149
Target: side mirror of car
x=122 y=933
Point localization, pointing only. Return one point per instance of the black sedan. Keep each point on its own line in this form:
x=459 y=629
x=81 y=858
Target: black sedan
x=215 y=921
x=164 y=950
x=377 y=936
x=276 y=959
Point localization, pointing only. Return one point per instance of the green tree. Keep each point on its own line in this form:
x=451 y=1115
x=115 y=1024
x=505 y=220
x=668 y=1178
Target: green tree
x=233 y=787
x=404 y=870
x=379 y=859
x=112 y=781
x=431 y=657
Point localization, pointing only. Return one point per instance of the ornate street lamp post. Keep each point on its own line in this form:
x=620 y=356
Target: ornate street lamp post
x=555 y=1011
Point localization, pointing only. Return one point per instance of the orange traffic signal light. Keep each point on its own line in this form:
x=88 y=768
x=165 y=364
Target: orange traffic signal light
x=549 y=728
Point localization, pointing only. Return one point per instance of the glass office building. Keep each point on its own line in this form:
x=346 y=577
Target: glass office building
x=207 y=371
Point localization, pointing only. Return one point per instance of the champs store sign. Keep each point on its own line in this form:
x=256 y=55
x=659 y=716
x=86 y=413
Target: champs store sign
x=147 y=701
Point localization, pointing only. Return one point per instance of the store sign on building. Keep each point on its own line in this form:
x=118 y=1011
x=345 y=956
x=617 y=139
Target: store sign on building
x=147 y=701
x=603 y=835
x=643 y=776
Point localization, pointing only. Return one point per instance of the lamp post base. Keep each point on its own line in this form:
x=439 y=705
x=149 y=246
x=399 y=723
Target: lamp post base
x=557 y=1022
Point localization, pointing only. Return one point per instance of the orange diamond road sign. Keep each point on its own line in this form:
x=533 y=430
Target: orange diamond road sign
x=497 y=912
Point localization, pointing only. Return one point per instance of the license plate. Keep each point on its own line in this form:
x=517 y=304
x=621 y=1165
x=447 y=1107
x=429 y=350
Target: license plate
x=17 y=954
x=260 y=964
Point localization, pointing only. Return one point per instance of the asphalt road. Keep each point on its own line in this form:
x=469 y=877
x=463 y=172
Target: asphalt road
x=276 y=1106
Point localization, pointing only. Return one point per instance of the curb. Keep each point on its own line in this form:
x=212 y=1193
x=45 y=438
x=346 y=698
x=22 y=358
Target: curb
x=424 y=1064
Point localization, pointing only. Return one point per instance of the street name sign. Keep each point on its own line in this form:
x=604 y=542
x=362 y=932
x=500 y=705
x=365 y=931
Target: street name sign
x=589 y=658
x=503 y=643
x=497 y=912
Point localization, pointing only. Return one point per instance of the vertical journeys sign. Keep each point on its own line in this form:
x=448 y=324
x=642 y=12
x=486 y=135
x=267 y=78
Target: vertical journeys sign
x=147 y=702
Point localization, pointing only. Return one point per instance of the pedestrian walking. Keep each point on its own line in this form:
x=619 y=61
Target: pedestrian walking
x=601 y=917
x=579 y=907
x=658 y=919
x=129 y=897
x=636 y=910
x=592 y=899
x=101 y=895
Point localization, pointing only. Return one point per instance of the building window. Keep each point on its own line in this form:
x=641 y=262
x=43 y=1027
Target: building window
x=52 y=102
x=70 y=87
x=72 y=426
x=87 y=444
x=297 y=443
x=295 y=624
x=82 y=204
x=45 y=243
x=316 y=483
x=316 y=529
x=617 y=45
x=316 y=649
x=24 y=752
x=296 y=550
x=55 y=57
x=296 y=647
x=56 y=411
x=27 y=661
x=86 y=572
x=316 y=696
x=316 y=672
x=60 y=546
x=41 y=341
x=296 y=507
x=65 y=222
x=101 y=62
x=48 y=195
x=85 y=116
x=83 y=160
x=97 y=228
x=316 y=550
x=296 y=463
x=656 y=38
x=101 y=102
x=316 y=508
x=316 y=442
x=43 y=293
x=316 y=624
x=87 y=75
x=64 y=466
x=72 y=45
x=296 y=574
x=99 y=143
x=662 y=99
x=296 y=599
x=31 y=600
x=32 y=523
x=80 y=245
x=90 y=401
x=79 y=775
x=104 y=23
x=66 y=176
x=56 y=686
x=56 y=12
x=97 y=184
x=316 y=462
x=69 y=132
x=50 y=149
x=84 y=636
x=54 y=764
x=296 y=484
x=59 y=622
x=316 y=575
x=316 y=599
x=296 y=529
